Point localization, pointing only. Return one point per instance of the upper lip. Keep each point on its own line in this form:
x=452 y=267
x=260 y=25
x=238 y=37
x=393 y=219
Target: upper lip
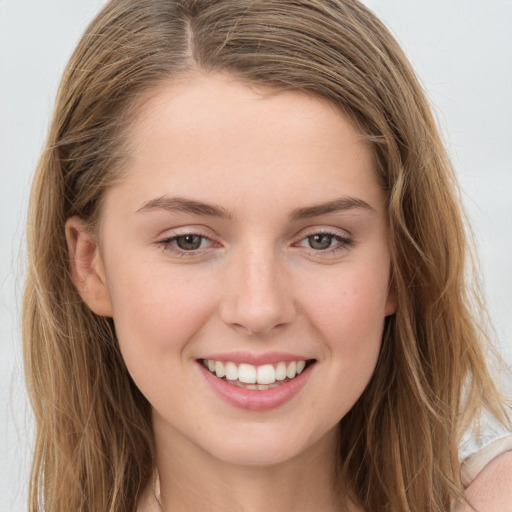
x=255 y=359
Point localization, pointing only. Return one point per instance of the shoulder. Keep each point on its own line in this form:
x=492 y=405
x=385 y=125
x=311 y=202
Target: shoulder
x=491 y=489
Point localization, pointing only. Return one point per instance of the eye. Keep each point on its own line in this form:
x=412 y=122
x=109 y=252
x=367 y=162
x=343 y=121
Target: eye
x=186 y=244
x=189 y=242
x=320 y=241
x=325 y=242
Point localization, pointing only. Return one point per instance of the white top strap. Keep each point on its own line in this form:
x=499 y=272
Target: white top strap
x=477 y=461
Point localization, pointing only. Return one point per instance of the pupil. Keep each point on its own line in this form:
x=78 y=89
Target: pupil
x=320 y=241
x=188 y=242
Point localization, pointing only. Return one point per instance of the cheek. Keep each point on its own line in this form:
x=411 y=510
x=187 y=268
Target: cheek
x=348 y=312
x=350 y=320
x=156 y=313
x=350 y=307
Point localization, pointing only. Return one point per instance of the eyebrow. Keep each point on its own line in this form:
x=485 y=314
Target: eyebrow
x=340 y=204
x=181 y=204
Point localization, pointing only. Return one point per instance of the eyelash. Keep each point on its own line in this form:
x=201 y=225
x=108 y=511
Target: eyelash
x=343 y=243
x=168 y=244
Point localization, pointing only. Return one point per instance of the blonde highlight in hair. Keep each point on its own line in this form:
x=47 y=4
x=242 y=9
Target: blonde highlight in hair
x=399 y=444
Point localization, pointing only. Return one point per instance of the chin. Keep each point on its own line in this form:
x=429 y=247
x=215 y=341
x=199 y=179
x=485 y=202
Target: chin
x=262 y=448
x=262 y=456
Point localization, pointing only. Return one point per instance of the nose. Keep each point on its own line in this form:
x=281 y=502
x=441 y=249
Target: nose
x=258 y=296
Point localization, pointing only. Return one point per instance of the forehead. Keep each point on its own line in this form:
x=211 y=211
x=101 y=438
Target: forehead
x=222 y=101
x=212 y=135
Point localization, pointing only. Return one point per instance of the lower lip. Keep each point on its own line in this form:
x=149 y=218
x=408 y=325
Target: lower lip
x=256 y=400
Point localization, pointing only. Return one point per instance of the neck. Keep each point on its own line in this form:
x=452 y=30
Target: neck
x=192 y=479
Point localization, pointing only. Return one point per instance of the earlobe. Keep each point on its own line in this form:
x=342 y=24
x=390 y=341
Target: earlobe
x=87 y=268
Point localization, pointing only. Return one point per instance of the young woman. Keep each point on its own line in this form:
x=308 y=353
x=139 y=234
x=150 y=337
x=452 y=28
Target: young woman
x=247 y=267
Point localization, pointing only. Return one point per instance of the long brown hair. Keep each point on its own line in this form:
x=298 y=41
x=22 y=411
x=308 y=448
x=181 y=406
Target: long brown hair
x=399 y=444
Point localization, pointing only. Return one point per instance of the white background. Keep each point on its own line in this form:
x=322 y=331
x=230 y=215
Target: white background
x=462 y=51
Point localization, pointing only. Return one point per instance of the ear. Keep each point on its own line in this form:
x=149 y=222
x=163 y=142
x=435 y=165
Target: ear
x=87 y=267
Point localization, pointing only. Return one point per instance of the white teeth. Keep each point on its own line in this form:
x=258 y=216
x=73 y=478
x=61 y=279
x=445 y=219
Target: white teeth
x=263 y=377
x=219 y=369
x=291 y=371
x=231 y=371
x=266 y=374
x=246 y=373
x=281 y=371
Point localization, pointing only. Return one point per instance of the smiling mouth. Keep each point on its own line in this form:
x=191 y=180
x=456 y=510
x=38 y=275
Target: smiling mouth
x=263 y=377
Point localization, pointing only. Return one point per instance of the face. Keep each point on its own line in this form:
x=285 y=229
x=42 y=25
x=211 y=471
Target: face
x=248 y=237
